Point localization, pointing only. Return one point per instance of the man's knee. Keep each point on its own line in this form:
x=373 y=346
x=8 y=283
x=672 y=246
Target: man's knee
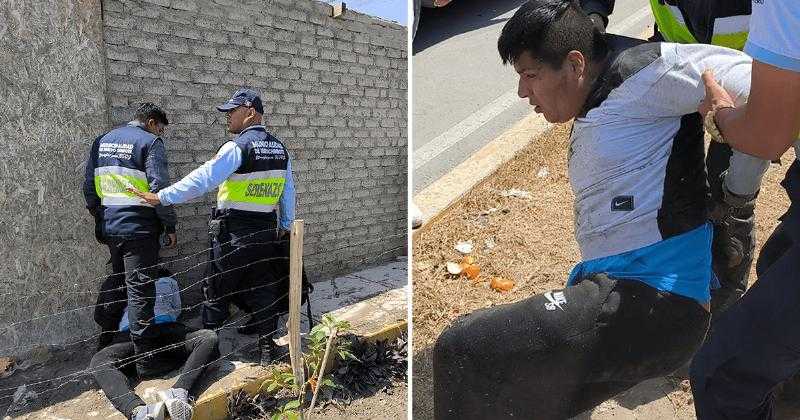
x=208 y=337
x=98 y=361
x=458 y=346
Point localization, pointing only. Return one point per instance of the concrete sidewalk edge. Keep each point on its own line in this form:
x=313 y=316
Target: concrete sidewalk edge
x=443 y=193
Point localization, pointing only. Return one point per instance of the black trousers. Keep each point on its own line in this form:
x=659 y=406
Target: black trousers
x=555 y=355
x=755 y=345
x=137 y=258
x=113 y=369
x=250 y=270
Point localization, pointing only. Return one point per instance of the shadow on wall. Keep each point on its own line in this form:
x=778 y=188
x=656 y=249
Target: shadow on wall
x=52 y=67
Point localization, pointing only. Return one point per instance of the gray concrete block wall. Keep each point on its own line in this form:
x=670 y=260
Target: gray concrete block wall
x=334 y=91
x=52 y=104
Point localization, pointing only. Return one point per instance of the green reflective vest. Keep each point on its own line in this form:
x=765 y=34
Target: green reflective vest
x=729 y=31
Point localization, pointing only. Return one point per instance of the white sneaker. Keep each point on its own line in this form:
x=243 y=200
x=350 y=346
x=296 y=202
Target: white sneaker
x=177 y=402
x=149 y=412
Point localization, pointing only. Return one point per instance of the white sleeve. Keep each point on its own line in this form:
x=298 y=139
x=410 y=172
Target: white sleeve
x=678 y=89
x=684 y=89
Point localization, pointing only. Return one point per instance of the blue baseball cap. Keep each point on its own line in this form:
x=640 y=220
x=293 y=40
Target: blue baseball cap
x=243 y=97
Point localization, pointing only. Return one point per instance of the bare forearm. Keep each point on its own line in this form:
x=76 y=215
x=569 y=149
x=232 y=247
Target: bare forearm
x=756 y=136
x=769 y=123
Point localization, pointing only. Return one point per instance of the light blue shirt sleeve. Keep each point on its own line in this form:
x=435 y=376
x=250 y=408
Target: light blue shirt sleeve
x=205 y=178
x=287 y=199
x=773 y=34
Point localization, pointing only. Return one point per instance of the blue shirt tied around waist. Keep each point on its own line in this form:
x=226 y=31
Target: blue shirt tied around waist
x=680 y=265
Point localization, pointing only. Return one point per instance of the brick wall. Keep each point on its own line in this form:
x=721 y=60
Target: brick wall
x=334 y=92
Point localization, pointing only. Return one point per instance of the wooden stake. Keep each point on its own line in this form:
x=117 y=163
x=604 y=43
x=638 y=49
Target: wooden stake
x=321 y=369
x=295 y=297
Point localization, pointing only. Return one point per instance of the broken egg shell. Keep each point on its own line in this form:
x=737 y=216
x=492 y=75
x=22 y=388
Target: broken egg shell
x=464 y=247
x=472 y=271
x=454 y=268
x=468 y=260
x=501 y=285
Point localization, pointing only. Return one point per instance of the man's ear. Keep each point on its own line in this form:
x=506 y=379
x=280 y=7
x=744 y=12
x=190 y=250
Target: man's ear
x=577 y=63
x=251 y=114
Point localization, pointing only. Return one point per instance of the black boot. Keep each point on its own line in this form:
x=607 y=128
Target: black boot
x=271 y=353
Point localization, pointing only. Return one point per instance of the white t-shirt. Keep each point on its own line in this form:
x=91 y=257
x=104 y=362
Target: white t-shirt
x=775 y=33
x=775 y=37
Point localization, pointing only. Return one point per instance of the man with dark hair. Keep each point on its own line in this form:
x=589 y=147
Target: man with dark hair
x=255 y=210
x=636 y=307
x=132 y=156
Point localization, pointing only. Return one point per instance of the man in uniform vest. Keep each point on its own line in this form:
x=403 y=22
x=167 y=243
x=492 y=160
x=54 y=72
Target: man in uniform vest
x=255 y=209
x=132 y=157
x=724 y=23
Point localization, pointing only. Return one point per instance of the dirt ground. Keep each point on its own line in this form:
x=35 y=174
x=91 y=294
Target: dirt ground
x=389 y=404
x=531 y=241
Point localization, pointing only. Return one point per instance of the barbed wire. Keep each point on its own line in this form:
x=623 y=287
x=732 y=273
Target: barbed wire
x=187 y=309
x=76 y=376
x=183 y=309
x=162 y=263
x=205 y=365
x=147 y=354
x=198 y=253
x=64 y=312
x=38 y=318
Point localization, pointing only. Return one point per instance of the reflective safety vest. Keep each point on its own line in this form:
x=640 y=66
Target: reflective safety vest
x=255 y=189
x=729 y=29
x=119 y=157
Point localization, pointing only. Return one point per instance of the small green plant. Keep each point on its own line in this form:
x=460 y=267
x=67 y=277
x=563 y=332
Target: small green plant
x=288 y=411
x=318 y=338
x=281 y=380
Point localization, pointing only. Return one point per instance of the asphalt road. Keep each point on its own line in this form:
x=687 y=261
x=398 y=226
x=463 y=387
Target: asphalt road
x=463 y=97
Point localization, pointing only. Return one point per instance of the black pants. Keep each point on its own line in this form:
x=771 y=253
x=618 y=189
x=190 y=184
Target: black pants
x=555 y=355
x=137 y=258
x=250 y=271
x=732 y=268
x=755 y=345
x=112 y=371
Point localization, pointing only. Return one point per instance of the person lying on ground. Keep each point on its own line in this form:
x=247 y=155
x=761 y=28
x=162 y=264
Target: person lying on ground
x=637 y=306
x=113 y=364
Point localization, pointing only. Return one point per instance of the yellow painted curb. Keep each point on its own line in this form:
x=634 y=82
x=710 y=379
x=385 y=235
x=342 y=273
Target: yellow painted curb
x=388 y=332
x=215 y=406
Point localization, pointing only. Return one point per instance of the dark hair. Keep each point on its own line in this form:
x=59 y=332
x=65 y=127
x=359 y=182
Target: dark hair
x=549 y=30
x=150 y=110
